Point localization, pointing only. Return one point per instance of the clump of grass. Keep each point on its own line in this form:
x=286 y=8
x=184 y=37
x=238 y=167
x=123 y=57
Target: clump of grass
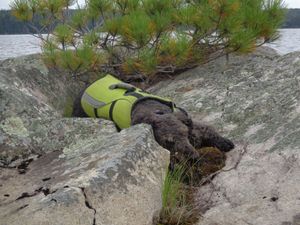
x=177 y=206
x=172 y=186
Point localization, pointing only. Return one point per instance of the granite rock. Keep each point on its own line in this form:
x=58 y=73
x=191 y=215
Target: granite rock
x=58 y=170
x=255 y=101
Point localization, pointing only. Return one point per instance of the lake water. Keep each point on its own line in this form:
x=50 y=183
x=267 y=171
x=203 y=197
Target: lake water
x=17 y=45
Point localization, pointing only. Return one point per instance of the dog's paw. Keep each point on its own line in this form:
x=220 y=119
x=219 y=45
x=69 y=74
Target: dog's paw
x=224 y=144
x=191 y=154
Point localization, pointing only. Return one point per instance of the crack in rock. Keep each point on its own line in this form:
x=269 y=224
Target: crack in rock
x=45 y=191
x=22 y=207
x=88 y=204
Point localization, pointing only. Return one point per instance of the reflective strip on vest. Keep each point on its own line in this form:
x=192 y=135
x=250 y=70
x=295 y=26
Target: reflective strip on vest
x=93 y=102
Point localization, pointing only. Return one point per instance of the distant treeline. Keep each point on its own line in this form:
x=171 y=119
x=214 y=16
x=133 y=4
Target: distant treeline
x=292 y=19
x=10 y=25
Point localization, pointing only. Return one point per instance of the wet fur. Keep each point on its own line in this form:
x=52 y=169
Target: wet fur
x=175 y=131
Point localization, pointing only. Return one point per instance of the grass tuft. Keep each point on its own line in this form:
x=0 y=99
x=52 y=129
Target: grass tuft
x=178 y=205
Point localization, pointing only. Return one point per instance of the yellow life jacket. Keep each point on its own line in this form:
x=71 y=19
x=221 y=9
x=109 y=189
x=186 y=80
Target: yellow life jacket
x=110 y=98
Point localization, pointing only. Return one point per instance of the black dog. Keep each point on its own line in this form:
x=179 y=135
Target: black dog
x=175 y=131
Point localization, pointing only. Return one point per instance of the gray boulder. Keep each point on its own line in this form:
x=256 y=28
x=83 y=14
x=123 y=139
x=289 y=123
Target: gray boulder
x=56 y=170
x=103 y=179
x=254 y=100
x=98 y=176
x=29 y=93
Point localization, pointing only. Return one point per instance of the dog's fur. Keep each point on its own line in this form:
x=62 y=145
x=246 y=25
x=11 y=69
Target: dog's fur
x=175 y=131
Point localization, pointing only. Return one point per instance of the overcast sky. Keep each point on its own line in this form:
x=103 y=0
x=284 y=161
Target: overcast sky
x=4 y=4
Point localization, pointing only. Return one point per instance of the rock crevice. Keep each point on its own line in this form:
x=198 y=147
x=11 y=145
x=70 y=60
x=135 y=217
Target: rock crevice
x=85 y=166
x=56 y=170
x=254 y=99
x=88 y=204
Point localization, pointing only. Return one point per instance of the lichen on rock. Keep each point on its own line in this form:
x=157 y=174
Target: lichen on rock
x=255 y=101
x=57 y=170
x=84 y=165
x=14 y=126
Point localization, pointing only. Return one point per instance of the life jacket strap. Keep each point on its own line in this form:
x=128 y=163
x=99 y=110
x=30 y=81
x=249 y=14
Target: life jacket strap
x=111 y=115
x=122 y=85
x=134 y=94
x=96 y=113
x=111 y=110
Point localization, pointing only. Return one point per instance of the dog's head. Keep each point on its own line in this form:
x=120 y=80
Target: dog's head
x=183 y=116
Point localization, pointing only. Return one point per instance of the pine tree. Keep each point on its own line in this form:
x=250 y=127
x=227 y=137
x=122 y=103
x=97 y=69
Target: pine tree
x=148 y=37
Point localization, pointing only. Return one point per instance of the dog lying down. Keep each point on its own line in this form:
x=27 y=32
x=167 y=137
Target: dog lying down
x=126 y=105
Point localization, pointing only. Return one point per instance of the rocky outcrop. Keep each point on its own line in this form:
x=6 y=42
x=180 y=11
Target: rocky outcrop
x=56 y=170
x=30 y=92
x=103 y=179
x=81 y=171
x=255 y=100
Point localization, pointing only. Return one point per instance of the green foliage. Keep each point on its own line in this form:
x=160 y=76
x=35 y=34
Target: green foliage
x=97 y=8
x=63 y=34
x=177 y=208
x=171 y=193
x=136 y=29
x=147 y=37
x=21 y=9
x=79 y=20
x=175 y=50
